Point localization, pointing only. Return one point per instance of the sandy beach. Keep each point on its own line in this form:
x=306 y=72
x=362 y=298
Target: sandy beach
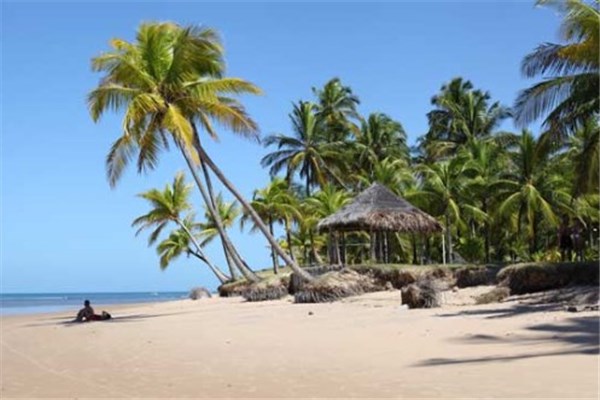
x=367 y=346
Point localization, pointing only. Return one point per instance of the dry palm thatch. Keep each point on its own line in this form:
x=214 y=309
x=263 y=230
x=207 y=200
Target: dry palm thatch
x=335 y=285
x=378 y=209
x=425 y=293
x=265 y=290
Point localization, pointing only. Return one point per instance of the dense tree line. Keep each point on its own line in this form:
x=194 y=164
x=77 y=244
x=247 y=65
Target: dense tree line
x=501 y=195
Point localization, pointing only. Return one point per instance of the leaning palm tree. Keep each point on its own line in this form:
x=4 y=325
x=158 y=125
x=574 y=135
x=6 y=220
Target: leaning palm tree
x=275 y=203
x=169 y=82
x=167 y=207
x=568 y=95
x=178 y=242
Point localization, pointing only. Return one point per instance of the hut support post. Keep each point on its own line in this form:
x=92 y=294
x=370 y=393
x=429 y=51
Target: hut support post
x=443 y=248
x=372 y=246
x=338 y=257
x=343 y=248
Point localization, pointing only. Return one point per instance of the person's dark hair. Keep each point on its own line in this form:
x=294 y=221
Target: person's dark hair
x=86 y=303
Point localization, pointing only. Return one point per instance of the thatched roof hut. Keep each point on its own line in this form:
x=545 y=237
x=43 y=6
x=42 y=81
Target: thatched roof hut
x=378 y=209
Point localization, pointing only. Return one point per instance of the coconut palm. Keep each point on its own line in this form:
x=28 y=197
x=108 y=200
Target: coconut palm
x=461 y=113
x=336 y=105
x=487 y=158
x=168 y=82
x=584 y=155
x=532 y=192
x=568 y=95
x=380 y=137
x=443 y=192
x=167 y=207
x=305 y=152
x=178 y=242
x=275 y=203
x=228 y=213
x=323 y=203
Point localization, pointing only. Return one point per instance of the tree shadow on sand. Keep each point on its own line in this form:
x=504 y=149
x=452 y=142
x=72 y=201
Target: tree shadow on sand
x=70 y=322
x=580 y=335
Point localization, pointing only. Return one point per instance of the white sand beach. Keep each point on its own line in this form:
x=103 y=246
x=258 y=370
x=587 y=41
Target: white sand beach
x=367 y=346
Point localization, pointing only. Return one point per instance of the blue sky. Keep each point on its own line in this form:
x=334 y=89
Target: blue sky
x=64 y=229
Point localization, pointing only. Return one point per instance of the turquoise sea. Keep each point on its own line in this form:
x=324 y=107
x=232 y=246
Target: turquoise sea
x=32 y=303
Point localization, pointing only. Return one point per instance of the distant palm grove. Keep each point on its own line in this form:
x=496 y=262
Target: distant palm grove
x=500 y=195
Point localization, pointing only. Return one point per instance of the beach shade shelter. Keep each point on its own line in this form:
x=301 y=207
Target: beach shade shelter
x=379 y=212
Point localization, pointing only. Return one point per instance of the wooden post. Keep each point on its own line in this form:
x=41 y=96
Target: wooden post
x=372 y=247
x=443 y=248
x=343 y=248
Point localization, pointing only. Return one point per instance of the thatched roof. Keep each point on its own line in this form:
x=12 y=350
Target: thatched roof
x=378 y=209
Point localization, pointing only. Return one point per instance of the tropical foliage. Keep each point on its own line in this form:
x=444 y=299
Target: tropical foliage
x=500 y=195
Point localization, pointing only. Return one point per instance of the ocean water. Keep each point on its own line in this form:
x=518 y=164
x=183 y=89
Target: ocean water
x=33 y=303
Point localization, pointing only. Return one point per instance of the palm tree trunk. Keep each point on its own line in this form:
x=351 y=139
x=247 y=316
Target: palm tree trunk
x=252 y=277
x=255 y=217
x=220 y=275
x=231 y=253
x=273 y=254
x=288 y=235
x=449 y=240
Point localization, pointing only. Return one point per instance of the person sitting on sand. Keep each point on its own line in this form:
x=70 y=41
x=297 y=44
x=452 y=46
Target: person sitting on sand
x=87 y=314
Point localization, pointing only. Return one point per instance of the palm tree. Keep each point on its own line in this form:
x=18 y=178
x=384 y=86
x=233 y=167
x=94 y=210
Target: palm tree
x=167 y=207
x=568 y=95
x=461 y=113
x=531 y=191
x=274 y=203
x=227 y=214
x=322 y=204
x=380 y=137
x=305 y=151
x=337 y=109
x=584 y=155
x=177 y=243
x=443 y=192
x=169 y=81
x=487 y=158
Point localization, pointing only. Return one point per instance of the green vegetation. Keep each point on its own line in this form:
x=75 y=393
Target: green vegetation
x=500 y=195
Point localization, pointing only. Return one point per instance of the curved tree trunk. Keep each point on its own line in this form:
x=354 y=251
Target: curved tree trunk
x=249 y=276
x=222 y=277
x=288 y=235
x=200 y=254
x=255 y=217
x=273 y=254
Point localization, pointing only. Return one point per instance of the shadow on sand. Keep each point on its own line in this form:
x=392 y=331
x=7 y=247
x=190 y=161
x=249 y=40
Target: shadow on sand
x=579 y=334
x=70 y=322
